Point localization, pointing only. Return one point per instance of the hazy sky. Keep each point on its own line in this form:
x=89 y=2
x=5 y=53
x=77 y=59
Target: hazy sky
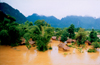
x=57 y=8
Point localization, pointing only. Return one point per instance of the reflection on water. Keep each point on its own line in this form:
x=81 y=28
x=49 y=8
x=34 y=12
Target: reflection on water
x=20 y=55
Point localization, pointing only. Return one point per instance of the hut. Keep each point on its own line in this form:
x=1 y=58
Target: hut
x=71 y=40
x=87 y=41
x=23 y=41
x=53 y=37
x=66 y=48
x=63 y=46
x=31 y=42
x=98 y=36
x=59 y=38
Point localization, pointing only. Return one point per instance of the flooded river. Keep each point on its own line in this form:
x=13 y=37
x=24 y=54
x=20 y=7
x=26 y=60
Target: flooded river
x=20 y=55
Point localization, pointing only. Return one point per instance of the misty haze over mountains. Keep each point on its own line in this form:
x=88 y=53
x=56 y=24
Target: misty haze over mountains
x=79 y=21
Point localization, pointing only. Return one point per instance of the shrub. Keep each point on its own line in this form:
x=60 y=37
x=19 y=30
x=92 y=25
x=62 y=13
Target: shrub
x=73 y=43
x=96 y=45
x=91 y=50
x=42 y=43
x=27 y=37
x=65 y=53
x=81 y=37
x=4 y=37
x=93 y=36
x=64 y=36
x=98 y=40
x=71 y=30
x=50 y=47
x=33 y=45
x=70 y=45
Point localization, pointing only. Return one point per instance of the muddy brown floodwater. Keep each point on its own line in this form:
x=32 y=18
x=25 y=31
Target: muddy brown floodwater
x=20 y=55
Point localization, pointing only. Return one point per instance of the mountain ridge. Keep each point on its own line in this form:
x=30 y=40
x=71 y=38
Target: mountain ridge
x=7 y=9
x=87 y=22
x=78 y=21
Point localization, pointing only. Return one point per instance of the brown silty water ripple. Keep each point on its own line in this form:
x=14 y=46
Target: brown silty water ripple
x=20 y=55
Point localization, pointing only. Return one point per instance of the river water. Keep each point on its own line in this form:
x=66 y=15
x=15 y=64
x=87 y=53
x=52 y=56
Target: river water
x=20 y=55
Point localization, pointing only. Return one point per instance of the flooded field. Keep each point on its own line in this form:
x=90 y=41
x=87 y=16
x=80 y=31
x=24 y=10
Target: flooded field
x=20 y=55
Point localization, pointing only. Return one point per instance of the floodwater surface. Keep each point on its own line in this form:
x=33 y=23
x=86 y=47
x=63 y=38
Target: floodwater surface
x=20 y=55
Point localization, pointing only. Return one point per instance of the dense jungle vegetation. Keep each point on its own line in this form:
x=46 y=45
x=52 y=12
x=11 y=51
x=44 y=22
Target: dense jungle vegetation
x=41 y=32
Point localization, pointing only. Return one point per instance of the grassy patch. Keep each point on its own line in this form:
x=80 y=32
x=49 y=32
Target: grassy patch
x=73 y=43
x=65 y=53
x=70 y=45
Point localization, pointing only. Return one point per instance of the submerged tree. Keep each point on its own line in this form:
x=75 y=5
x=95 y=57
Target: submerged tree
x=71 y=31
x=42 y=34
x=81 y=36
x=64 y=35
x=43 y=39
x=96 y=45
x=93 y=36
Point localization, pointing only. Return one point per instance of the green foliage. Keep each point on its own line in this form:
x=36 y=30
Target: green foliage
x=65 y=53
x=4 y=36
x=58 y=34
x=96 y=45
x=9 y=33
x=44 y=36
x=30 y=23
x=40 y=23
x=33 y=45
x=64 y=36
x=73 y=43
x=28 y=45
x=98 y=32
x=91 y=50
x=83 y=46
x=42 y=43
x=22 y=29
x=27 y=36
x=81 y=36
x=50 y=47
x=93 y=36
x=77 y=29
x=71 y=31
x=14 y=34
x=49 y=30
x=98 y=40
x=57 y=29
x=70 y=45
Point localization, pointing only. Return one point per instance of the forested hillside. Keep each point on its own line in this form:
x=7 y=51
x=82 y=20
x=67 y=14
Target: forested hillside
x=79 y=21
x=86 y=22
x=20 y=18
